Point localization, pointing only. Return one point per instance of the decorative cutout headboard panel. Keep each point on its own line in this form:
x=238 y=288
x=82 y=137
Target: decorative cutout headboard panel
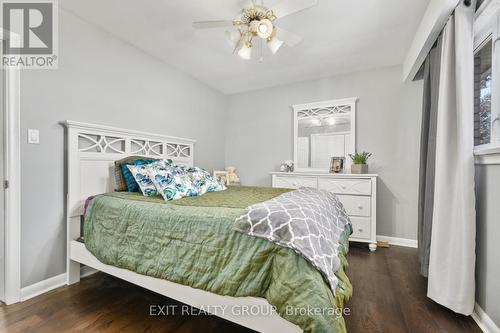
x=92 y=150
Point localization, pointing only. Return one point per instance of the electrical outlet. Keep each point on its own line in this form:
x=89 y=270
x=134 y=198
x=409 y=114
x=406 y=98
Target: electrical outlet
x=33 y=136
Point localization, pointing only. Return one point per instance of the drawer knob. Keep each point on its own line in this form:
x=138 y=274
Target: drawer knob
x=343 y=187
x=360 y=229
x=360 y=207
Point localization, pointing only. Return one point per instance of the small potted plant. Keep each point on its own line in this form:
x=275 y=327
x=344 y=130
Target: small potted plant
x=359 y=162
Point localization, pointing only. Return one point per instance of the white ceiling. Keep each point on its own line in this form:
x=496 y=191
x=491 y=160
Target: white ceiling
x=340 y=36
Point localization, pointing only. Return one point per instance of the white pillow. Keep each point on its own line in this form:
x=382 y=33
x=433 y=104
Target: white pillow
x=141 y=176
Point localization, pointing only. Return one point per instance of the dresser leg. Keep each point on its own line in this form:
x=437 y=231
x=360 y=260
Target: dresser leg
x=372 y=247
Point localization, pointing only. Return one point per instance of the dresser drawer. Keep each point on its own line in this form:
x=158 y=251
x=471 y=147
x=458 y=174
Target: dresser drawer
x=295 y=182
x=361 y=227
x=356 y=205
x=346 y=186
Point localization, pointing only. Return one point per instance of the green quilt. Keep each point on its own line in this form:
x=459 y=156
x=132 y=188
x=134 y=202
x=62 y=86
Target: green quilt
x=191 y=241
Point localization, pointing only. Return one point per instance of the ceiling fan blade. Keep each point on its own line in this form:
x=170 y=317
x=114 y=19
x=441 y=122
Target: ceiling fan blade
x=288 y=37
x=238 y=44
x=289 y=7
x=212 y=24
x=246 y=3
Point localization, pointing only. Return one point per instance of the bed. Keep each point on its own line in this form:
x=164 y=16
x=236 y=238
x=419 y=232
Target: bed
x=187 y=249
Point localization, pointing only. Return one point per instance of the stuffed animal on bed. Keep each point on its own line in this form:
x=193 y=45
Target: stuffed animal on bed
x=232 y=177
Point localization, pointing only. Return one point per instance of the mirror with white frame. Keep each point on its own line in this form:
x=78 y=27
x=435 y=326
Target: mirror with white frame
x=323 y=130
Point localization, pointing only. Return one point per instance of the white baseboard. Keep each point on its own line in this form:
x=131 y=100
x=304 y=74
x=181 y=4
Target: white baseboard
x=398 y=241
x=43 y=287
x=49 y=284
x=484 y=321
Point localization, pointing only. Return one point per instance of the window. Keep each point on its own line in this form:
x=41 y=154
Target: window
x=487 y=80
x=482 y=95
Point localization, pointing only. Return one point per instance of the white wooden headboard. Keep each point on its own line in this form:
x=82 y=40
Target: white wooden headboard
x=92 y=150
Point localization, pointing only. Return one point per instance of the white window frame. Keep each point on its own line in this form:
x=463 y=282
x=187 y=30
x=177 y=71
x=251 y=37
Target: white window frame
x=487 y=26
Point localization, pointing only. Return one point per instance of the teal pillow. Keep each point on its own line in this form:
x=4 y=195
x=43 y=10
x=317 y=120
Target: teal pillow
x=130 y=181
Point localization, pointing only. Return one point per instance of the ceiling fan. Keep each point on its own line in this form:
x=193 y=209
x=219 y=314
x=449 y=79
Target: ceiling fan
x=258 y=21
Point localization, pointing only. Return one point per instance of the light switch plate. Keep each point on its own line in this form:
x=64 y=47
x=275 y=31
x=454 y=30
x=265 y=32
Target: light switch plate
x=33 y=136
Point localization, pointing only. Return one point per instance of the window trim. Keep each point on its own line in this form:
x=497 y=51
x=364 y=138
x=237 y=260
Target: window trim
x=486 y=27
x=487 y=149
x=487 y=154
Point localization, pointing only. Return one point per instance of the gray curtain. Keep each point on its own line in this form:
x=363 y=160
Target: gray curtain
x=432 y=67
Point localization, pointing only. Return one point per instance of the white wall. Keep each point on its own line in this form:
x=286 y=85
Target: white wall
x=259 y=136
x=101 y=80
x=487 y=245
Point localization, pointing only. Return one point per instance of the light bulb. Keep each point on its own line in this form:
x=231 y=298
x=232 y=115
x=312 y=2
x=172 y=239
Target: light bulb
x=246 y=51
x=264 y=28
x=274 y=44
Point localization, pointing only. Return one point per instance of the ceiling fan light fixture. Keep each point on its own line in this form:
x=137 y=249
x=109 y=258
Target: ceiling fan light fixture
x=258 y=20
x=264 y=28
x=274 y=44
x=233 y=37
x=246 y=51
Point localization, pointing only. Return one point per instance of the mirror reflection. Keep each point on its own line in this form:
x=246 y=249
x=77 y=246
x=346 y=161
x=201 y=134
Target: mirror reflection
x=321 y=137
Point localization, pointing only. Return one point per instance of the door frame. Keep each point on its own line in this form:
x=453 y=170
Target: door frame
x=12 y=170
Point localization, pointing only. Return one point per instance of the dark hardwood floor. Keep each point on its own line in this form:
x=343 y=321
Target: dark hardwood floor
x=389 y=296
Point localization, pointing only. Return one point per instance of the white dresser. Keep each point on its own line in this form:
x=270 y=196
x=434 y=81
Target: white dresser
x=358 y=194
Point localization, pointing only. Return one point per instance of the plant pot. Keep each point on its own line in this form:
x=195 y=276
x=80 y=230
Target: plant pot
x=359 y=168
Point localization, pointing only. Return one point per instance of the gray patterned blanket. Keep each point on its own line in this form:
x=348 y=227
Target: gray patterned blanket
x=307 y=220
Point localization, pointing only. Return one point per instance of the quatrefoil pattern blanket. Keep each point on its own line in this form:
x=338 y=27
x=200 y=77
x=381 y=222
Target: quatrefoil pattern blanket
x=307 y=220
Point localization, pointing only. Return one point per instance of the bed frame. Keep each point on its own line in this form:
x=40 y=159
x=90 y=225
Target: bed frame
x=91 y=152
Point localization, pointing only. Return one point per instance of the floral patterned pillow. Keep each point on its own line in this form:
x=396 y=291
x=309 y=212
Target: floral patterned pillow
x=167 y=161
x=204 y=181
x=141 y=176
x=171 y=181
